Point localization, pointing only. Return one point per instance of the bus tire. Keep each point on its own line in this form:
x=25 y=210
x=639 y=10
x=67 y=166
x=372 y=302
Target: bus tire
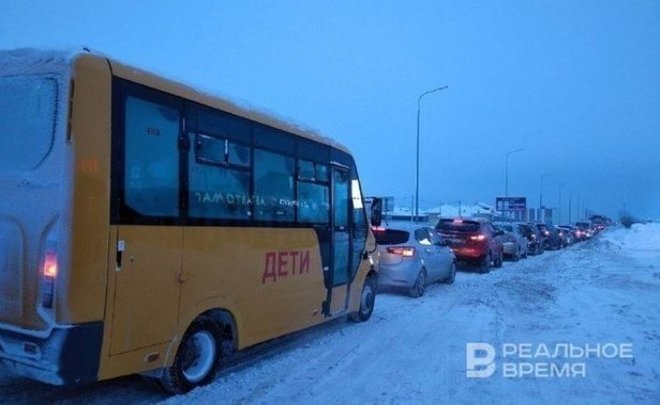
x=367 y=301
x=197 y=360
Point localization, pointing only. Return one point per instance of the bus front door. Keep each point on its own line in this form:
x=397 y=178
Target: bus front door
x=341 y=242
x=147 y=287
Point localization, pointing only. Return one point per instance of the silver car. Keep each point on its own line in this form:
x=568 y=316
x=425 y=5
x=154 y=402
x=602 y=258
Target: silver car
x=513 y=241
x=410 y=257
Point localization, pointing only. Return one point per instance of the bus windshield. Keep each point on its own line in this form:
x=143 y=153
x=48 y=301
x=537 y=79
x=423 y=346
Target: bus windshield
x=28 y=106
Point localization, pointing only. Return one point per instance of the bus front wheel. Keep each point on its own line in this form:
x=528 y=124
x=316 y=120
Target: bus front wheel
x=367 y=301
x=197 y=359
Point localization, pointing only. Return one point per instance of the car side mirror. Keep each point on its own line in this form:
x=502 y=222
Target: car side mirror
x=376 y=211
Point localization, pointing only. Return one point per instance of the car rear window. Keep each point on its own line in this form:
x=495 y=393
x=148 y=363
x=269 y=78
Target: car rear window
x=391 y=236
x=457 y=226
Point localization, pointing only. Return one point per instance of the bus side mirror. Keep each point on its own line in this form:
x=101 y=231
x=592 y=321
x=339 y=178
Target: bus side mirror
x=376 y=211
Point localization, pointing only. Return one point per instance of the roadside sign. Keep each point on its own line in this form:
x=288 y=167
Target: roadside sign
x=508 y=204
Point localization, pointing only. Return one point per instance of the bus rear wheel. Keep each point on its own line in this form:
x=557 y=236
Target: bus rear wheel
x=197 y=360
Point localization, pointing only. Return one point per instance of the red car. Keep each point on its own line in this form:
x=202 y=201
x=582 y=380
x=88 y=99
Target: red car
x=473 y=240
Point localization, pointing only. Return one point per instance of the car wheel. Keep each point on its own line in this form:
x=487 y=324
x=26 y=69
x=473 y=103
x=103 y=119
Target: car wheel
x=485 y=264
x=367 y=301
x=524 y=256
x=420 y=285
x=515 y=257
x=197 y=359
x=498 y=263
x=452 y=274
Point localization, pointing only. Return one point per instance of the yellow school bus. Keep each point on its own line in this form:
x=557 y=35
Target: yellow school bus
x=147 y=227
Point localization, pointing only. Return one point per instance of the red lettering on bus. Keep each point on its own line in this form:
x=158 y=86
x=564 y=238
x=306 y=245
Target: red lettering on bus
x=284 y=263
x=304 y=262
x=269 y=269
x=294 y=257
x=281 y=263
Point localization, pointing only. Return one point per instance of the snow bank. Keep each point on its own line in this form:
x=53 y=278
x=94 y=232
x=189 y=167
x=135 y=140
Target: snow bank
x=638 y=237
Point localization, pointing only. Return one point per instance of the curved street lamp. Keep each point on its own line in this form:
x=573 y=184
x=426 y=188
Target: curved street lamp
x=559 y=208
x=419 y=102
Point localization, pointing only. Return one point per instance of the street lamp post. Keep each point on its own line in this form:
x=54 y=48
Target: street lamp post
x=419 y=102
x=506 y=160
x=541 y=196
x=559 y=208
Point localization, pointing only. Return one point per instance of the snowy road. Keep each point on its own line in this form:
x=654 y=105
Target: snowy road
x=414 y=350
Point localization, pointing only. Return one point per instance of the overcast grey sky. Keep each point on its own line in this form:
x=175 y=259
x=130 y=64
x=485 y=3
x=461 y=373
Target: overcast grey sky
x=575 y=83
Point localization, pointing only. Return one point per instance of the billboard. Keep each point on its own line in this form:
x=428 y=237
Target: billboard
x=509 y=204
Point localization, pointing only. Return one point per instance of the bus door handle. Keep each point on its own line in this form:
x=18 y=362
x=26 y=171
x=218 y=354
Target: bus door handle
x=121 y=246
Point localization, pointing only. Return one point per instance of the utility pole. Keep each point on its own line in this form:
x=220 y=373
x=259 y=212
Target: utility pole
x=559 y=208
x=541 y=210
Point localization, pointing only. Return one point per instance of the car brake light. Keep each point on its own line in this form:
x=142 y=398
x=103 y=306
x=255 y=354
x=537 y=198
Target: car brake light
x=377 y=228
x=405 y=251
x=479 y=238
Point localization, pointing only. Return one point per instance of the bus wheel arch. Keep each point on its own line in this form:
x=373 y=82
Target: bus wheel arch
x=227 y=323
x=197 y=358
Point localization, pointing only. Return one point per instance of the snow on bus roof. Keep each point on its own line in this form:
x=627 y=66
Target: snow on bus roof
x=35 y=61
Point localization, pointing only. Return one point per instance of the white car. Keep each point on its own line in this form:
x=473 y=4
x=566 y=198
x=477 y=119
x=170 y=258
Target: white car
x=513 y=240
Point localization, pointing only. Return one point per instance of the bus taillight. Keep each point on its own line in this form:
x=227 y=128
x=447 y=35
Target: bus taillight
x=50 y=266
x=49 y=275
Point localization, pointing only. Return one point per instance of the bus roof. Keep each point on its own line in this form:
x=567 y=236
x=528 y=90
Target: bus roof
x=28 y=60
x=188 y=92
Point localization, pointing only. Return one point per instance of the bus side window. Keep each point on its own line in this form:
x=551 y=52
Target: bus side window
x=313 y=193
x=151 y=182
x=273 y=187
x=219 y=179
x=314 y=203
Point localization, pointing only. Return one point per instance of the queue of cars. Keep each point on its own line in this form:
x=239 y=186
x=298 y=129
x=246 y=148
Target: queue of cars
x=410 y=256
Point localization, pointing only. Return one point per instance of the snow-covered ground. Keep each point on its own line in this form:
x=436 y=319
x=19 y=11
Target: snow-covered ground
x=605 y=291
